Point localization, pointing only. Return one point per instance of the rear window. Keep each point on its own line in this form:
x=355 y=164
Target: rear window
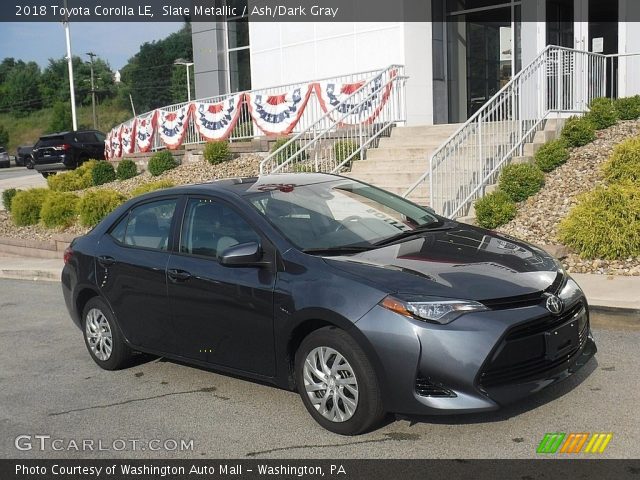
x=2 y=150
x=50 y=141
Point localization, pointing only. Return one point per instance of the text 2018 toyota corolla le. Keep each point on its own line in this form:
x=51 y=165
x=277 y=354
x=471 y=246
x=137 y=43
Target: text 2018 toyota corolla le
x=363 y=302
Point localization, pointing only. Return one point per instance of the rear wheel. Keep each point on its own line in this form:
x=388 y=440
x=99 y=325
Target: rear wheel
x=103 y=338
x=337 y=382
x=29 y=163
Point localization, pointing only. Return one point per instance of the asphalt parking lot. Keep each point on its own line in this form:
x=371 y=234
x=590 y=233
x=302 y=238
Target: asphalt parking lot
x=50 y=386
x=20 y=177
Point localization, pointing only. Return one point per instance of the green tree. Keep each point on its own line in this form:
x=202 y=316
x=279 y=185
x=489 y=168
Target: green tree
x=179 y=84
x=4 y=136
x=61 y=118
x=22 y=88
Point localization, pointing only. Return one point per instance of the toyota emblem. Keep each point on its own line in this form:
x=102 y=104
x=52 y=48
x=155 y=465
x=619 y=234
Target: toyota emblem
x=554 y=304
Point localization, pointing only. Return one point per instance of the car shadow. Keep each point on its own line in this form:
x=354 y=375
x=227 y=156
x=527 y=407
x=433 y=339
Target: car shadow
x=507 y=412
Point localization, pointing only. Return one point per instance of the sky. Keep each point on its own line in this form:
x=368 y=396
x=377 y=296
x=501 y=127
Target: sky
x=113 y=42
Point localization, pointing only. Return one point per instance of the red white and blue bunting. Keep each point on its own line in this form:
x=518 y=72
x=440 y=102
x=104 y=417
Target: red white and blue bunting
x=278 y=114
x=127 y=137
x=107 y=147
x=342 y=100
x=145 y=128
x=215 y=121
x=116 y=145
x=172 y=126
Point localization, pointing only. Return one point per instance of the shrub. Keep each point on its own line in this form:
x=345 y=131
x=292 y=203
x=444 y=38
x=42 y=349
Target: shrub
x=217 y=152
x=103 y=173
x=605 y=223
x=303 y=168
x=26 y=206
x=552 y=155
x=94 y=206
x=628 y=108
x=342 y=149
x=603 y=113
x=160 y=162
x=126 y=169
x=59 y=209
x=521 y=181
x=579 y=131
x=78 y=179
x=151 y=186
x=7 y=197
x=289 y=151
x=495 y=210
x=624 y=163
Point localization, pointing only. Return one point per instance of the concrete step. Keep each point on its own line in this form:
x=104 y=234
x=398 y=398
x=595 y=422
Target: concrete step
x=387 y=167
x=522 y=159
x=417 y=131
x=530 y=149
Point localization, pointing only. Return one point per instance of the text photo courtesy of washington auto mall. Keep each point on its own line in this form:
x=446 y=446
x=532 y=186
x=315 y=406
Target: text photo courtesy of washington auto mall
x=350 y=239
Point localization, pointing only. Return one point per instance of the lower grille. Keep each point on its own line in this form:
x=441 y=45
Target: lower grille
x=426 y=388
x=521 y=355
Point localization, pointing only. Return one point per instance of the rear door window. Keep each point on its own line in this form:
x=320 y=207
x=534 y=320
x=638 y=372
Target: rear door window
x=147 y=226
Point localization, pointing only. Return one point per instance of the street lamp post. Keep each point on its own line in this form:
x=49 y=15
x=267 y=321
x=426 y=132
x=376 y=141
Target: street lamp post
x=182 y=61
x=70 y=65
x=93 y=93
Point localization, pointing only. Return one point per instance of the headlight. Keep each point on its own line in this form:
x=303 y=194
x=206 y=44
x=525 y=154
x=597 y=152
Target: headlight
x=430 y=309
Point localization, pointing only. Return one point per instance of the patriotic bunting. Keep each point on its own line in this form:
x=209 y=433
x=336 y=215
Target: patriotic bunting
x=278 y=114
x=173 y=125
x=107 y=147
x=127 y=137
x=335 y=97
x=144 y=130
x=116 y=145
x=215 y=121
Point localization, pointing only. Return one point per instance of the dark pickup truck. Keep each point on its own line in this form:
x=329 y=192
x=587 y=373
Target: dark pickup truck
x=67 y=150
x=24 y=156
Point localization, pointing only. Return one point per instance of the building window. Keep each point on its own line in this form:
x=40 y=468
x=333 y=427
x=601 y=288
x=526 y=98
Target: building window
x=238 y=54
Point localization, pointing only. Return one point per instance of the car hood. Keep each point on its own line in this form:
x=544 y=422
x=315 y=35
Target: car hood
x=457 y=262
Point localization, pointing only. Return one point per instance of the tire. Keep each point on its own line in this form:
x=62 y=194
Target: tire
x=46 y=174
x=97 y=318
x=354 y=382
x=28 y=162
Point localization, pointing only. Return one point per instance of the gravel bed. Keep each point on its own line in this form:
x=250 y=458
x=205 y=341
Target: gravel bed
x=539 y=216
x=246 y=165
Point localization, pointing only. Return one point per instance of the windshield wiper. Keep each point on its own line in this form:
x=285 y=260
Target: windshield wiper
x=430 y=227
x=337 y=250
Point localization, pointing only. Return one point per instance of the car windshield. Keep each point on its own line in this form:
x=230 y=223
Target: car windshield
x=338 y=215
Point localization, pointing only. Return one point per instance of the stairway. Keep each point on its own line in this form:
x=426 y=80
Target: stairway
x=400 y=159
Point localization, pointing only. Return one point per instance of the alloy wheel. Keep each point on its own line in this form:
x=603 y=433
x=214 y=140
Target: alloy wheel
x=331 y=384
x=99 y=336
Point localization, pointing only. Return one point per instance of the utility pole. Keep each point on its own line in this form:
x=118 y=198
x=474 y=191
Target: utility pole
x=93 y=92
x=74 y=119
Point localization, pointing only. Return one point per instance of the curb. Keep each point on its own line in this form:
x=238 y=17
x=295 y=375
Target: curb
x=32 y=275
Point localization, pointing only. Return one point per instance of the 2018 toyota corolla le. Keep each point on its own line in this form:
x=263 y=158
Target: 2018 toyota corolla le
x=362 y=301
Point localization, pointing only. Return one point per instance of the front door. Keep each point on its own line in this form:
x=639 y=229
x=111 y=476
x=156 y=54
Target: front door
x=221 y=315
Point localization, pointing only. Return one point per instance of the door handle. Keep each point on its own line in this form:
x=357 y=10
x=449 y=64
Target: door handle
x=178 y=275
x=106 y=261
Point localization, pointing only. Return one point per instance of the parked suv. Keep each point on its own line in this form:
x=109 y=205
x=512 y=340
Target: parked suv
x=5 y=162
x=67 y=150
x=24 y=156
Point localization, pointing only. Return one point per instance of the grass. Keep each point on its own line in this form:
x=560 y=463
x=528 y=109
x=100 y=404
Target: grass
x=26 y=130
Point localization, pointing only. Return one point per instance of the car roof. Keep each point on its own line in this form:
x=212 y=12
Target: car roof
x=62 y=134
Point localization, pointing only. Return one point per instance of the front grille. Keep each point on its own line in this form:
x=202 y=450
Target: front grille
x=426 y=388
x=521 y=354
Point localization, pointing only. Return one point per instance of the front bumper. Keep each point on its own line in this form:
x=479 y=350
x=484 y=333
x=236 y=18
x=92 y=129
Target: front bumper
x=473 y=364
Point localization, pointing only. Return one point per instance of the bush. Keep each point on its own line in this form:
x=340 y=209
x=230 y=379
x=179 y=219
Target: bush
x=78 y=179
x=605 y=223
x=342 y=149
x=94 y=206
x=7 y=198
x=289 y=151
x=160 y=162
x=603 y=113
x=579 y=131
x=151 y=187
x=624 y=163
x=628 y=108
x=495 y=210
x=521 y=181
x=4 y=137
x=59 y=209
x=126 y=169
x=217 y=152
x=103 y=173
x=26 y=206
x=552 y=155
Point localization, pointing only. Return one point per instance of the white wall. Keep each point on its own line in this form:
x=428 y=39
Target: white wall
x=629 y=42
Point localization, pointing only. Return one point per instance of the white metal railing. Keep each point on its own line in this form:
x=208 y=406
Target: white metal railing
x=560 y=80
x=346 y=130
x=245 y=129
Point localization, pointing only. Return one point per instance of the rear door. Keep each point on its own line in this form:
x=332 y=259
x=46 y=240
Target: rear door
x=131 y=261
x=222 y=315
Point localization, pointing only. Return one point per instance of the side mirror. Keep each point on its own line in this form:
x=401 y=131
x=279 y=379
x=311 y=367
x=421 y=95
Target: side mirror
x=243 y=255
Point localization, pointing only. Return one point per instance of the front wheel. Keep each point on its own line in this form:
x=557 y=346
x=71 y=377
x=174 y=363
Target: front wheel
x=337 y=383
x=102 y=336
